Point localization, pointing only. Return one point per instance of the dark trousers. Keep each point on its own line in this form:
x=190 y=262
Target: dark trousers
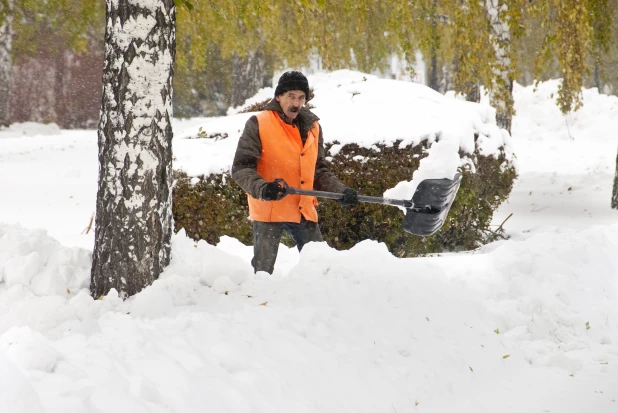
x=266 y=237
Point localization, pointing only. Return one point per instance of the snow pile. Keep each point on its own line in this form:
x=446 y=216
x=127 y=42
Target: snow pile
x=17 y=394
x=556 y=295
x=517 y=326
x=359 y=108
x=194 y=265
x=397 y=110
x=38 y=262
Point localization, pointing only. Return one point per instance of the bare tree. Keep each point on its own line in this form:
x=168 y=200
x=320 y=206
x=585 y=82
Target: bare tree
x=133 y=223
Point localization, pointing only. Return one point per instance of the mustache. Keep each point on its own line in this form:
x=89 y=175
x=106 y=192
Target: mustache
x=294 y=109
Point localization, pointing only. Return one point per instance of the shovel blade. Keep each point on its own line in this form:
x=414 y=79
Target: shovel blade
x=432 y=201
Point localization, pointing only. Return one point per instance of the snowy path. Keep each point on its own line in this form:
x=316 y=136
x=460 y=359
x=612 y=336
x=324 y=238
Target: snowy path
x=50 y=182
x=566 y=173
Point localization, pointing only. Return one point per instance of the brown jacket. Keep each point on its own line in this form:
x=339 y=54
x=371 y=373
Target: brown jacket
x=249 y=150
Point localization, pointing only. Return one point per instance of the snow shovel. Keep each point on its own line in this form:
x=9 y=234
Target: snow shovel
x=425 y=212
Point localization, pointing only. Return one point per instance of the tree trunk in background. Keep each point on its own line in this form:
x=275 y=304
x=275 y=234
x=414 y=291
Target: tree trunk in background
x=134 y=199
x=501 y=91
x=60 y=104
x=615 y=191
x=247 y=77
x=6 y=62
x=433 y=71
x=597 y=77
x=474 y=93
x=433 y=66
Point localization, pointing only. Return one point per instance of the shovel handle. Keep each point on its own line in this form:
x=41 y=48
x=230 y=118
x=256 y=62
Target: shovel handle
x=338 y=196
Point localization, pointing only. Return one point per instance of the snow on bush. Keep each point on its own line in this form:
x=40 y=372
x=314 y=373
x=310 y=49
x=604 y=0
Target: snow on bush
x=363 y=109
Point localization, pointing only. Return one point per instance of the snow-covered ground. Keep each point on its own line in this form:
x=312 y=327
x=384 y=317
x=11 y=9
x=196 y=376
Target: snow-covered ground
x=524 y=325
x=567 y=163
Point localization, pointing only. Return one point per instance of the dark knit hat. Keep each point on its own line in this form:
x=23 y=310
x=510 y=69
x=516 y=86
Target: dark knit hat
x=292 y=80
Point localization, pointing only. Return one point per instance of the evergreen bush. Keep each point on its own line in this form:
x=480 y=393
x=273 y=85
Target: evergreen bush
x=216 y=206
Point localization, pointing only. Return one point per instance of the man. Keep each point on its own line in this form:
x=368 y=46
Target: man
x=284 y=141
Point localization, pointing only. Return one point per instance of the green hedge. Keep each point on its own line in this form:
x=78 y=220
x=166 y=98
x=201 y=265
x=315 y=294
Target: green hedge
x=216 y=206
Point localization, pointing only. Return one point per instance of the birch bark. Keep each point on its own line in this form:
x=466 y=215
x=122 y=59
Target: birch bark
x=501 y=93
x=134 y=199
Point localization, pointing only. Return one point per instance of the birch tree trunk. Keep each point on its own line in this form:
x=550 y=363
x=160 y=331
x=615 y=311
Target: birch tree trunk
x=134 y=199
x=501 y=92
x=6 y=61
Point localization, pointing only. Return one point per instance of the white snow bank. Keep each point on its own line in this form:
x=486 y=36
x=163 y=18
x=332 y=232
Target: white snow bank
x=383 y=111
x=517 y=326
x=29 y=349
x=16 y=394
x=194 y=265
x=539 y=118
x=358 y=108
x=34 y=260
x=559 y=288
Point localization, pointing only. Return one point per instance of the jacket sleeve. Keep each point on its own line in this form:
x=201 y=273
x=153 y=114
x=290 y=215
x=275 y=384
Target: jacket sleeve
x=244 y=168
x=324 y=179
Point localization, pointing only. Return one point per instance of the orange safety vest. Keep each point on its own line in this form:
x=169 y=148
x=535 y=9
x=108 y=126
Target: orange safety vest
x=284 y=156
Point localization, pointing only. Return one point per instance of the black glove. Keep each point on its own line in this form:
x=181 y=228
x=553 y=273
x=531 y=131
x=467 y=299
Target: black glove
x=350 y=197
x=272 y=191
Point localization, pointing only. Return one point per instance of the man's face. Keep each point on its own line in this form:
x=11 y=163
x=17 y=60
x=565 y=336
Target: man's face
x=291 y=102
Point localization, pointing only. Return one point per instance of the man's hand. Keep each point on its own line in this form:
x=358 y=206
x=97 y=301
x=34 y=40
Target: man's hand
x=272 y=191
x=350 y=197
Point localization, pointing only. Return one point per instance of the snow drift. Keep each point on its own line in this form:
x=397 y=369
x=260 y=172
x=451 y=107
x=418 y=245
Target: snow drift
x=356 y=330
